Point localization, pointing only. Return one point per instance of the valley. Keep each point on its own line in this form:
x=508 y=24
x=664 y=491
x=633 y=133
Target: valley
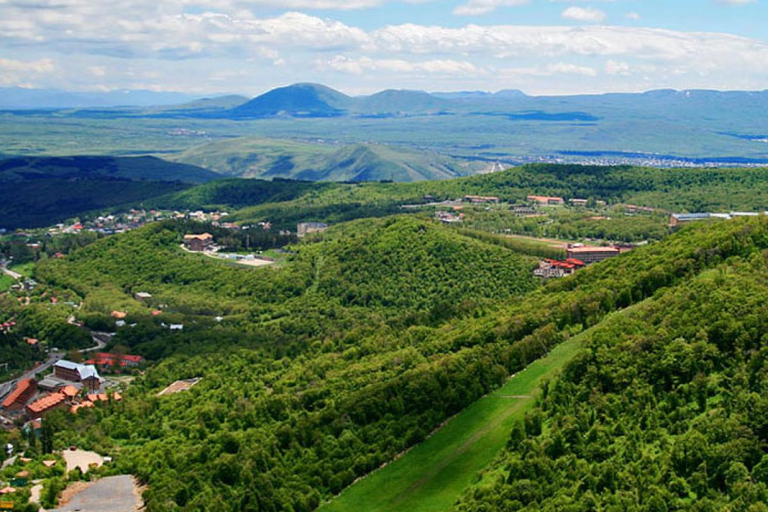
x=394 y=358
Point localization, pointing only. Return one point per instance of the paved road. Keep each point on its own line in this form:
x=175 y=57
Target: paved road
x=111 y=494
x=11 y=273
x=8 y=386
x=100 y=338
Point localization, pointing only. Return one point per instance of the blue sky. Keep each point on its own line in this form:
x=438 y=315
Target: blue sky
x=362 y=46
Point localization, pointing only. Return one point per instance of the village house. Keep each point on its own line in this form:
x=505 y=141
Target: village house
x=105 y=360
x=578 y=202
x=591 y=254
x=25 y=390
x=545 y=200
x=46 y=404
x=305 y=228
x=198 y=243
x=140 y=296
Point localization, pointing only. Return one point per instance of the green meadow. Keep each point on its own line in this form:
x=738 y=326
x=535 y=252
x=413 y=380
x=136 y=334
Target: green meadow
x=432 y=475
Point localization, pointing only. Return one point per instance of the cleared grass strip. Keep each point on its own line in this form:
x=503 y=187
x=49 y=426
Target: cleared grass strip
x=432 y=475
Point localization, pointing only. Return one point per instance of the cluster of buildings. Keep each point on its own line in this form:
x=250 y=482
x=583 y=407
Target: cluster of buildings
x=106 y=361
x=554 y=268
x=578 y=256
x=676 y=219
x=448 y=217
x=64 y=387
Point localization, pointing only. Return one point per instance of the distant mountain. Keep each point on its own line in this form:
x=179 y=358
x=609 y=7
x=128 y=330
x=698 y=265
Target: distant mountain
x=299 y=100
x=20 y=98
x=36 y=192
x=272 y=158
x=461 y=95
x=145 y=168
x=398 y=102
x=209 y=104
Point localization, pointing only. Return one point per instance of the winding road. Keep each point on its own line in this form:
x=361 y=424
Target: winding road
x=100 y=338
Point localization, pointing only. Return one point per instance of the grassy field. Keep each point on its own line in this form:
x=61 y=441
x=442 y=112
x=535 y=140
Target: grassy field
x=5 y=282
x=432 y=475
x=25 y=269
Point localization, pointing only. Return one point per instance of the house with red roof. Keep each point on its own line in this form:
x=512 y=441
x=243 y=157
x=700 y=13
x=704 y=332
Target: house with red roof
x=106 y=360
x=25 y=390
x=46 y=404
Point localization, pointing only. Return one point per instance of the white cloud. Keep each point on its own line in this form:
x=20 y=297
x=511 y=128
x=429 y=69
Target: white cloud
x=156 y=44
x=480 y=7
x=737 y=2
x=38 y=66
x=24 y=73
x=584 y=14
x=362 y=65
x=633 y=16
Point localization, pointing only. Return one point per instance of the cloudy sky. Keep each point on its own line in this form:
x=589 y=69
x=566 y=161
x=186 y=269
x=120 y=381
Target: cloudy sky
x=361 y=46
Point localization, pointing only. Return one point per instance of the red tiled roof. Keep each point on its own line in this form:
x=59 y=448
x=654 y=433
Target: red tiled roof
x=46 y=402
x=21 y=388
x=69 y=391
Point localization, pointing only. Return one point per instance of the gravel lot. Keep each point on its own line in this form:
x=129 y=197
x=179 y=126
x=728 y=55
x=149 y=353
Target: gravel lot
x=111 y=494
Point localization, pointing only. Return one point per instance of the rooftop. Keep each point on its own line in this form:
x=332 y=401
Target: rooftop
x=21 y=388
x=581 y=250
x=84 y=370
x=47 y=402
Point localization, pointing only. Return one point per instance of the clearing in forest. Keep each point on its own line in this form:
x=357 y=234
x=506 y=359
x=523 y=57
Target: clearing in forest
x=432 y=475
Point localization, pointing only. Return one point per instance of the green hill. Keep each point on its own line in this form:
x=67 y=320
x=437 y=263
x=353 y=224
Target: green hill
x=365 y=342
x=269 y=158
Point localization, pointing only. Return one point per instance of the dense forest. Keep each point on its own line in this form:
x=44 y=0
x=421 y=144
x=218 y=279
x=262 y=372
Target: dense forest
x=362 y=344
x=664 y=409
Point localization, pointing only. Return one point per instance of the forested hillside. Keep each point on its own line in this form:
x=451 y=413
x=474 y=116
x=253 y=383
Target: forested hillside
x=664 y=409
x=681 y=190
x=38 y=192
x=354 y=351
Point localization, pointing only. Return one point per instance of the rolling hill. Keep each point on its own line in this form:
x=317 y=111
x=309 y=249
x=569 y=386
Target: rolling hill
x=270 y=158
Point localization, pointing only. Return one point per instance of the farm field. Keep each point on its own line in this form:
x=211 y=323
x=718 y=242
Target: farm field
x=432 y=475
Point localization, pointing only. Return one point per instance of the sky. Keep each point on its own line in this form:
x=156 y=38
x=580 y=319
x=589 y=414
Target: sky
x=543 y=47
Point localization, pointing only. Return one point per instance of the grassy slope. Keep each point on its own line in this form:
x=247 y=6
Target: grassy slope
x=432 y=475
x=260 y=157
x=6 y=282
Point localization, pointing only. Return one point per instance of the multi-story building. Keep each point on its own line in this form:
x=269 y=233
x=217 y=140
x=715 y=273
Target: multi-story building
x=76 y=372
x=591 y=254
x=25 y=390
x=198 y=243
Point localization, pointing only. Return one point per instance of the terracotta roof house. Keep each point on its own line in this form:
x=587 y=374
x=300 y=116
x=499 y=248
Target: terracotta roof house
x=46 y=404
x=19 y=397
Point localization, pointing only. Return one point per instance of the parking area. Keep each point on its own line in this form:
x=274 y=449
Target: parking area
x=111 y=494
